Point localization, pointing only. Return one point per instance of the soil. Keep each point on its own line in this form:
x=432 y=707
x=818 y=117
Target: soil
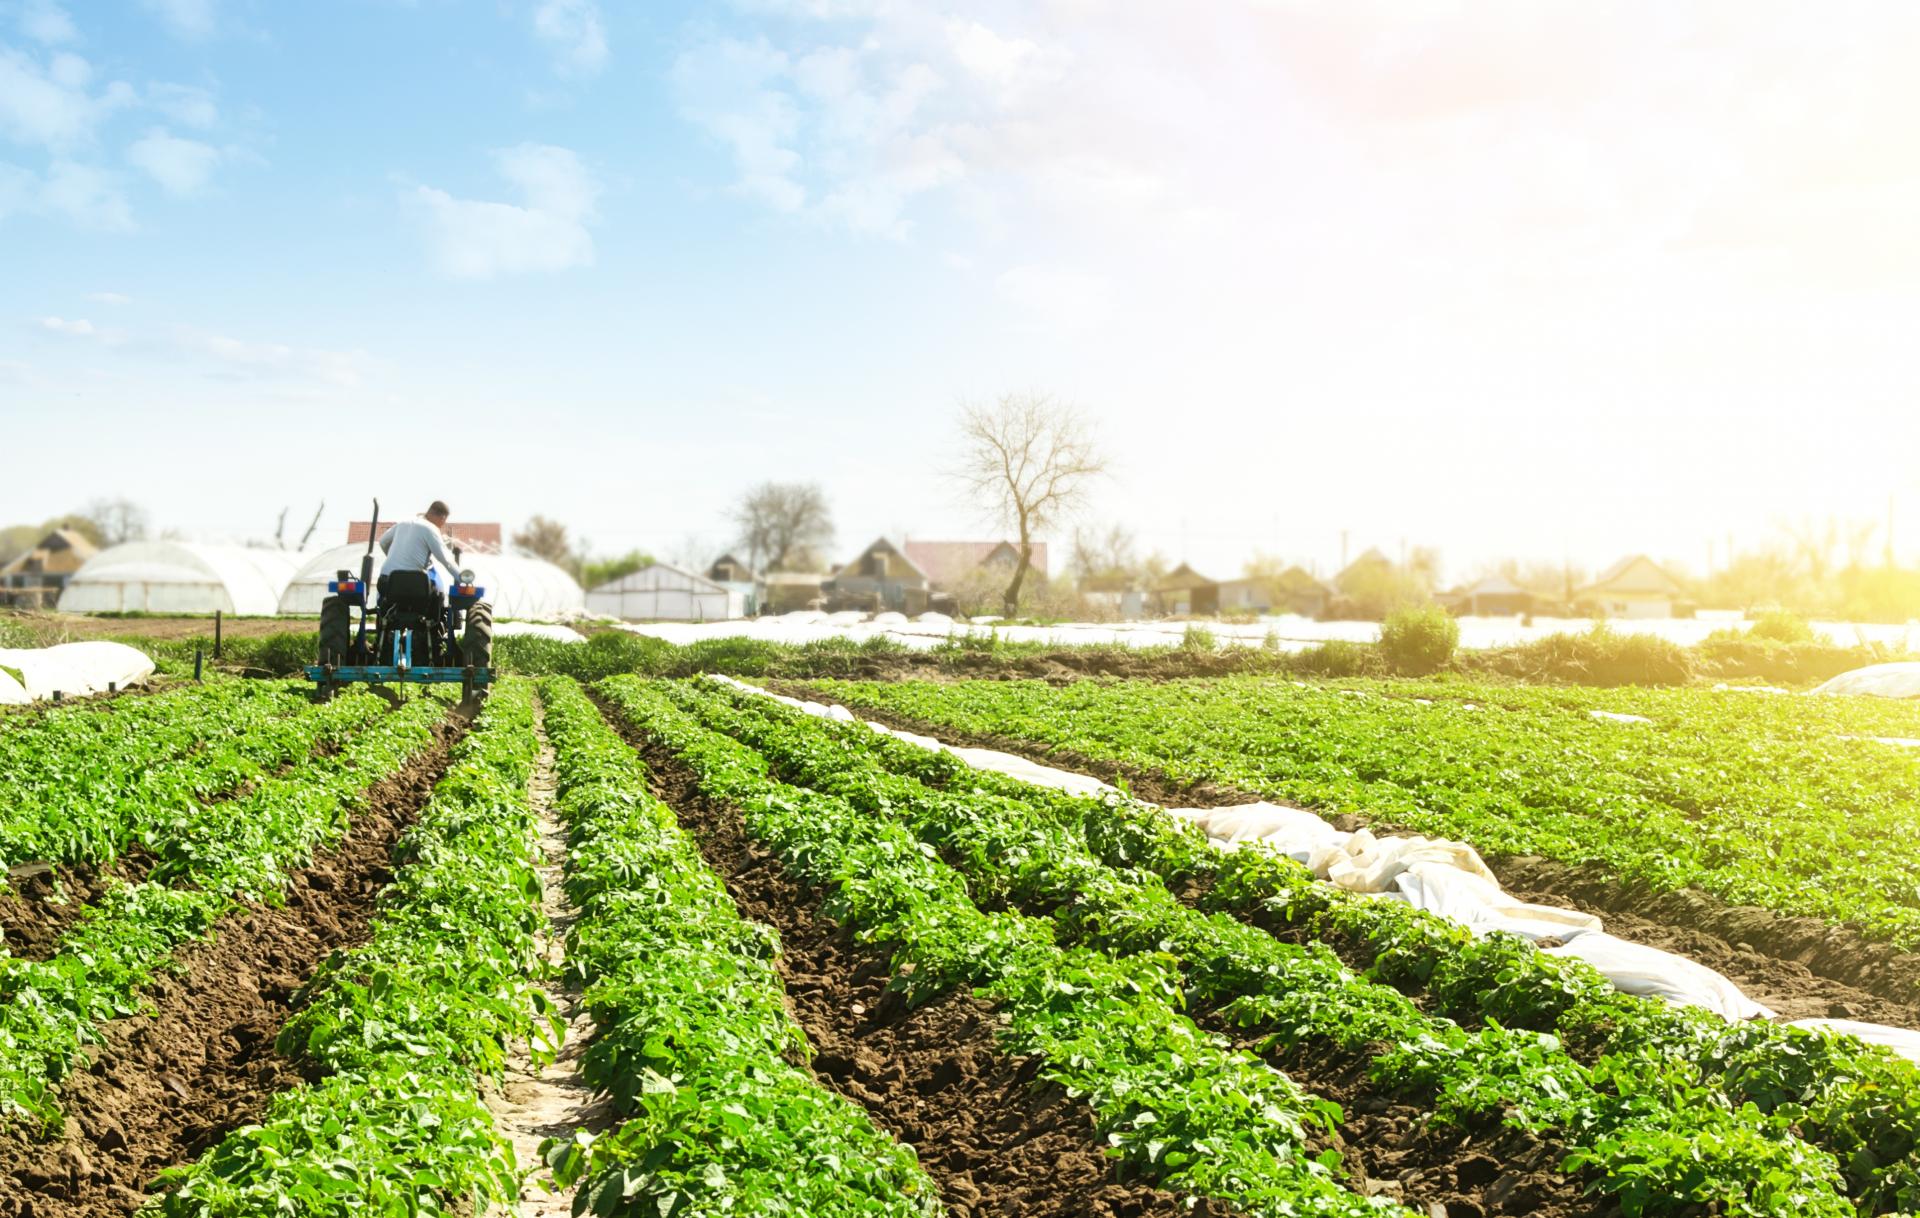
x=994 y=1138
x=72 y=627
x=1801 y=967
x=539 y=1102
x=166 y=1086
x=42 y=901
x=973 y=1130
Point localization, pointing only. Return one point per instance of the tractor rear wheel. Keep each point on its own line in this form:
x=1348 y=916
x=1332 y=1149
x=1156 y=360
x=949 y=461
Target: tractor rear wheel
x=336 y=630
x=476 y=645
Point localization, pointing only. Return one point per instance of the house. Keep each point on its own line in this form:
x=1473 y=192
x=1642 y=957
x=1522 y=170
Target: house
x=663 y=592
x=480 y=537
x=792 y=591
x=735 y=576
x=1246 y=596
x=949 y=564
x=1184 y=592
x=1370 y=565
x=1294 y=590
x=33 y=580
x=1494 y=596
x=882 y=578
x=1636 y=586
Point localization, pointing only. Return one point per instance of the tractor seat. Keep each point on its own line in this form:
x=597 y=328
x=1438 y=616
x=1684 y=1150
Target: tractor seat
x=409 y=592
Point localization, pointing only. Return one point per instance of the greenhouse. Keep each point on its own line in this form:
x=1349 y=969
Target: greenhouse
x=518 y=587
x=180 y=577
x=662 y=592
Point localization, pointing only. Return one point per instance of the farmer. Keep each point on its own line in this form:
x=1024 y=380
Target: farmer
x=412 y=545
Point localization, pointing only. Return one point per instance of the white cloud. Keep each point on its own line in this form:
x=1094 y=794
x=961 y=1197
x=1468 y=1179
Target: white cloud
x=191 y=19
x=50 y=105
x=188 y=105
x=78 y=327
x=110 y=298
x=258 y=360
x=182 y=167
x=731 y=89
x=572 y=30
x=45 y=21
x=88 y=196
x=547 y=231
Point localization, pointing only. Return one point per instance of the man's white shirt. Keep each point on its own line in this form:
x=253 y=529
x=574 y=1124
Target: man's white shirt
x=412 y=545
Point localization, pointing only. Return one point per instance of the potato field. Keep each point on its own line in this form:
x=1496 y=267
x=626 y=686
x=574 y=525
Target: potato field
x=665 y=948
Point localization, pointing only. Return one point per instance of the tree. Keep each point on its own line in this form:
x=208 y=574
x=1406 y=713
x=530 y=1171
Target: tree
x=117 y=520
x=544 y=538
x=598 y=571
x=783 y=523
x=1026 y=460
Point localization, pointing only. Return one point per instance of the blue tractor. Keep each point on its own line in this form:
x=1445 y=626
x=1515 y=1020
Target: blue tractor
x=414 y=633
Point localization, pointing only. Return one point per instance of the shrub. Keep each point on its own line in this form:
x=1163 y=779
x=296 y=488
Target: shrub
x=1782 y=626
x=1601 y=656
x=1337 y=658
x=1419 y=639
x=1198 y=638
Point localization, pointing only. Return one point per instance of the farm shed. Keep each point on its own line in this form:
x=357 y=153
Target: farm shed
x=518 y=587
x=33 y=580
x=1494 y=596
x=1245 y=594
x=882 y=578
x=1183 y=591
x=663 y=592
x=791 y=591
x=735 y=576
x=180 y=577
x=1634 y=587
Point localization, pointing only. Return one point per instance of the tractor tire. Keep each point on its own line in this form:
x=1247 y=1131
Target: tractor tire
x=476 y=645
x=336 y=630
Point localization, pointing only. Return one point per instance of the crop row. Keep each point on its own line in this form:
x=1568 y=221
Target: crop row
x=693 y=1041
x=85 y=781
x=1641 y=1118
x=208 y=859
x=1761 y=800
x=404 y=1026
x=1177 y=1105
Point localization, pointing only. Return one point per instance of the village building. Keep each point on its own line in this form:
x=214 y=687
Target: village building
x=33 y=580
x=1184 y=592
x=792 y=591
x=663 y=592
x=881 y=579
x=1494 y=596
x=735 y=576
x=950 y=564
x=1634 y=587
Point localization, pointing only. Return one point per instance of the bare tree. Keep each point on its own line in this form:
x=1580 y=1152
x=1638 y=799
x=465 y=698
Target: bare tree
x=544 y=538
x=1026 y=460
x=117 y=520
x=781 y=523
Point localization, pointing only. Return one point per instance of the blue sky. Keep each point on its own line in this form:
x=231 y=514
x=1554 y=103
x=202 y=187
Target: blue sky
x=1506 y=278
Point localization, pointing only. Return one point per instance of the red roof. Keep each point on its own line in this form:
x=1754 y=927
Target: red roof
x=483 y=537
x=948 y=562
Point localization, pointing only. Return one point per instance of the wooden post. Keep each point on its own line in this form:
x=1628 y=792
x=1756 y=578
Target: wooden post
x=216 y=634
x=198 y=653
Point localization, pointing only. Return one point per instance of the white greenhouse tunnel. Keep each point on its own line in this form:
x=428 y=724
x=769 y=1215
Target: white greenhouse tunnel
x=517 y=587
x=181 y=577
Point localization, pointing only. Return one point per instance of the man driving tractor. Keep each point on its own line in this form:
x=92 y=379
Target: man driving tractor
x=412 y=545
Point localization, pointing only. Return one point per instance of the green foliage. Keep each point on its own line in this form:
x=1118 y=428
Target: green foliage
x=1198 y=638
x=1601 y=656
x=1419 y=639
x=597 y=571
x=1781 y=626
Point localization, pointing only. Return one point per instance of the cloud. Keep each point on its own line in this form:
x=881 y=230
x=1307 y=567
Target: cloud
x=267 y=361
x=547 y=231
x=189 y=19
x=110 y=298
x=50 y=105
x=78 y=327
x=46 y=22
x=188 y=105
x=88 y=196
x=182 y=167
x=572 y=31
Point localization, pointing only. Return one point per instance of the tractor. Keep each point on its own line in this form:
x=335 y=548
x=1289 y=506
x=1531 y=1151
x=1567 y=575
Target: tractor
x=414 y=633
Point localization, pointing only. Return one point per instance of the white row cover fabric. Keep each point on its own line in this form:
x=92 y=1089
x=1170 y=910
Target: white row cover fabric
x=1900 y=1040
x=516 y=586
x=537 y=630
x=181 y=577
x=1445 y=878
x=1878 y=680
x=69 y=668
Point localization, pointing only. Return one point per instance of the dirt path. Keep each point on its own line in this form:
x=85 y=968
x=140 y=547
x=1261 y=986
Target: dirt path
x=1801 y=967
x=165 y=1087
x=539 y=1102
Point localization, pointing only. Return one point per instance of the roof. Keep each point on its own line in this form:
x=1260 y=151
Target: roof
x=660 y=575
x=478 y=535
x=1495 y=585
x=794 y=578
x=881 y=543
x=57 y=540
x=949 y=562
x=1634 y=573
x=729 y=558
x=1183 y=576
x=1371 y=558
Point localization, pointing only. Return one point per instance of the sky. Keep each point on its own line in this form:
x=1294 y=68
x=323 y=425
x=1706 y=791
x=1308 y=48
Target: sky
x=1527 y=278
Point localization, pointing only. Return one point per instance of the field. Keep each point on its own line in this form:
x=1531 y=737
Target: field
x=667 y=947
